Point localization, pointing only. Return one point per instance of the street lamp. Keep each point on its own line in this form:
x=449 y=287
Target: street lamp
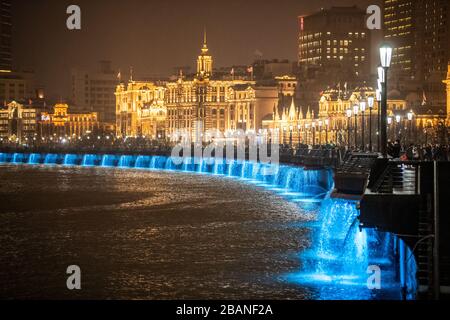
x=398 y=118
x=362 y=108
x=378 y=94
x=314 y=133
x=320 y=132
x=389 y=122
x=385 y=58
x=370 y=101
x=306 y=131
x=349 y=116
x=299 y=127
x=410 y=116
x=327 y=124
x=355 y=113
x=291 y=129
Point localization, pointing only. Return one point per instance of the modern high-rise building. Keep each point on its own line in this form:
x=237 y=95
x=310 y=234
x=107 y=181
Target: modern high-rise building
x=419 y=31
x=5 y=35
x=334 y=45
x=94 y=92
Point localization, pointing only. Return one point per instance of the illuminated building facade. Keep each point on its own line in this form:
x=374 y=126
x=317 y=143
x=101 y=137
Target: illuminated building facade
x=447 y=84
x=290 y=124
x=333 y=109
x=61 y=123
x=204 y=102
x=334 y=105
x=18 y=123
x=140 y=110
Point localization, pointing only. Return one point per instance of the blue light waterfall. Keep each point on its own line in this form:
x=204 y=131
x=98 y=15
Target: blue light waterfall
x=335 y=265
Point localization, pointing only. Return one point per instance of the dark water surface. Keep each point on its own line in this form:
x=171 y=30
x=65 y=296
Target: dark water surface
x=146 y=235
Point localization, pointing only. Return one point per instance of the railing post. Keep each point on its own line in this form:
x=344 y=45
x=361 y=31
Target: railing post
x=436 y=267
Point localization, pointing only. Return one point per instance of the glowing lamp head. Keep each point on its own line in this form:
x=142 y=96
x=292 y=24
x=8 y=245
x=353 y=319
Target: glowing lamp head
x=349 y=113
x=355 y=109
x=327 y=122
x=385 y=55
x=398 y=118
x=378 y=94
x=371 y=101
x=362 y=106
x=389 y=120
x=410 y=115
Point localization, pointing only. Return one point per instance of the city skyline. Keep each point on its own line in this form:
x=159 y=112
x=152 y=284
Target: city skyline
x=169 y=49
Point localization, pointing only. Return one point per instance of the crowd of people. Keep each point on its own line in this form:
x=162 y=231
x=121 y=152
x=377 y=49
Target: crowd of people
x=415 y=152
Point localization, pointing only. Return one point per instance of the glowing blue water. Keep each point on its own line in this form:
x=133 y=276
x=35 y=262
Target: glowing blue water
x=35 y=158
x=89 y=160
x=126 y=162
x=71 y=160
x=51 y=159
x=336 y=264
x=17 y=158
x=109 y=160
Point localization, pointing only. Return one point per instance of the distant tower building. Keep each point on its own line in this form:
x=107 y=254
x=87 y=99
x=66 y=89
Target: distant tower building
x=204 y=61
x=5 y=35
x=334 y=44
x=419 y=31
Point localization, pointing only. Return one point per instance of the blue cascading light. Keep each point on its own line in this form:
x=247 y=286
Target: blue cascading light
x=71 y=160
x=34 y=158
x=127 y=162
x=18 y=158
x=337 y=263
x=109 y=160
x=89 y=160
x=51 y=159
x=143 y=162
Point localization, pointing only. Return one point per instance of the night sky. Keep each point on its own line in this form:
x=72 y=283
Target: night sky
x=153 y=36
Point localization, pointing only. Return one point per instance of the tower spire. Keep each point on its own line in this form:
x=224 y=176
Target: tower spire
x=205 y=42
x=204 y=37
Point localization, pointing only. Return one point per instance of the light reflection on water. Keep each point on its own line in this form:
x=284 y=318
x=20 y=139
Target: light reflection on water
x=148 y=235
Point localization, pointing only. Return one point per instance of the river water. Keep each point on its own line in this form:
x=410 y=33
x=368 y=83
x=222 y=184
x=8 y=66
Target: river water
x=143 y=227
x=147 y=235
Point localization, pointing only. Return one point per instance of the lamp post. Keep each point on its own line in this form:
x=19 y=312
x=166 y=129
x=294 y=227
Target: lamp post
x=389 y=122
x=385 y=57
x=355 y=113
x=362 y=108
x=410 y=116
x=378 y=93
x=320 y=131
x=291 y=129
x=370 y=101
x=327 y=125
x=349 y=117
x=314 y=133
x=306 y=131
x=398 y=119
x=298 y=128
